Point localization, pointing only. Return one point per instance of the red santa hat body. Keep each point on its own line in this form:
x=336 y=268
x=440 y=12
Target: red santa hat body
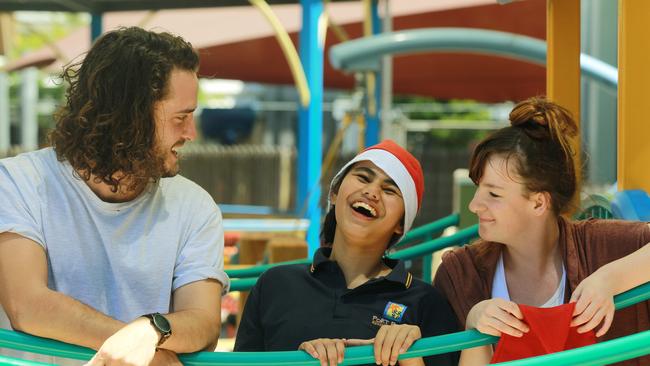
x=401 y=167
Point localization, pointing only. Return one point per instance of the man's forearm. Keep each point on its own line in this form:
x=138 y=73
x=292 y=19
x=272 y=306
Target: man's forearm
x=51 y=314
x=193 y=330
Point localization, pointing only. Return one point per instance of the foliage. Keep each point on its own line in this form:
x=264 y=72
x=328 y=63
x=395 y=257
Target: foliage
x=35 y=30
x=452 y=110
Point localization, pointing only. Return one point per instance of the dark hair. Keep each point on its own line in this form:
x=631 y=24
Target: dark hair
x=329 y=223
x=539 y=143
x=107 y=124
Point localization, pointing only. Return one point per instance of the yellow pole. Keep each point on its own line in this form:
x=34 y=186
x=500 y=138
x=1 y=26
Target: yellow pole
x=361 y=122
x=563 y=64
x=633 y=96
x=288 y=49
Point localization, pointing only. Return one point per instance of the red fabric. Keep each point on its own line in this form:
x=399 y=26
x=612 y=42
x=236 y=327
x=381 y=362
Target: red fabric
x=411 y=164
x=549 y=332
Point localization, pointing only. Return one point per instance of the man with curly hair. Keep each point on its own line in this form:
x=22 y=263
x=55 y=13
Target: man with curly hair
x=102 y=244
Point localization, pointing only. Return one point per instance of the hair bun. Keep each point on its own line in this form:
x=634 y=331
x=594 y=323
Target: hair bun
x=539 y=112
x=530 y=113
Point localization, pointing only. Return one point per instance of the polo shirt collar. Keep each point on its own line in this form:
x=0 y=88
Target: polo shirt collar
x=398 y=274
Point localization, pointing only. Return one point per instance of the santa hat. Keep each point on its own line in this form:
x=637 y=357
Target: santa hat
x=401 y=167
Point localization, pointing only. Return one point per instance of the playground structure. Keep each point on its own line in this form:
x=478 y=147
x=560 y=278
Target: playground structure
x=563 y=70
x=602 y=353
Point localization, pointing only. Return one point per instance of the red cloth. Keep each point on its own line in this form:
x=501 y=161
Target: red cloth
x=549 y=332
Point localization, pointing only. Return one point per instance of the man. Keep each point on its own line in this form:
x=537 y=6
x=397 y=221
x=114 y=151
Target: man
x=99 y=236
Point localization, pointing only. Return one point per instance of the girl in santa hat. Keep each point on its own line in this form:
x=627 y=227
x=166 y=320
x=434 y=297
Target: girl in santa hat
x=351 y=294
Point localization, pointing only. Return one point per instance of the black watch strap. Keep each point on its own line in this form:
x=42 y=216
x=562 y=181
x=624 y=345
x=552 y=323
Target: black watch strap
x=162 y=326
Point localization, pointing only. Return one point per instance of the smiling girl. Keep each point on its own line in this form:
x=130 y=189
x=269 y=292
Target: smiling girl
x=351 y=294
x=529 y=253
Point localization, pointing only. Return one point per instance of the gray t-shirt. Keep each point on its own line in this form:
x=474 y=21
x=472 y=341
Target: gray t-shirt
x=123 y=259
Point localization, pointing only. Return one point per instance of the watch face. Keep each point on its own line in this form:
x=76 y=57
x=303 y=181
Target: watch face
x=161 y=323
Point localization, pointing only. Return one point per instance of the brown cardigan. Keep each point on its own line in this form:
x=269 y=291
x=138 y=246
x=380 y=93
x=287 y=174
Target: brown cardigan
x=466 y=274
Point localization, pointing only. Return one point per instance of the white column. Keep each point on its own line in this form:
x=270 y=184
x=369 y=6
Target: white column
x=387 y=122
x=28 y=103
x=4 y=113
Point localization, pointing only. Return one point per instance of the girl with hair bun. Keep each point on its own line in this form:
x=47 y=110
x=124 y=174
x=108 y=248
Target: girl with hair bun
x=529 y=253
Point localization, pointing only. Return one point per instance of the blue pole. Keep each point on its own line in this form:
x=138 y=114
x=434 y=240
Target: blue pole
x=96 y=26
x=372 y=120
x=310 y=123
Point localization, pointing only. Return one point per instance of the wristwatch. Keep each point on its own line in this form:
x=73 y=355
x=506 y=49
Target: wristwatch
x=161 y=324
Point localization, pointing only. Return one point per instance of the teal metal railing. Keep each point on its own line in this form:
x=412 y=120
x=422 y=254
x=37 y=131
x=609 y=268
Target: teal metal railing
x=461 y=237
x=595 y=206
x=606 y=352
x=426 y=232
x=6 y=360
x=255 y=271
x=430 y=230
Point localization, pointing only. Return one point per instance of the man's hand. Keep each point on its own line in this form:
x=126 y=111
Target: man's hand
x=133 y=345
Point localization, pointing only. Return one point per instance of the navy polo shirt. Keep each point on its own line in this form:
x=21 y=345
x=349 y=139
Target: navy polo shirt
x=295 y=303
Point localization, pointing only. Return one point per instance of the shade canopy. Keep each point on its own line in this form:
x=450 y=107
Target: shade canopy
x=236 y=42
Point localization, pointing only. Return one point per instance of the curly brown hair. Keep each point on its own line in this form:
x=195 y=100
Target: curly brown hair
x=107 y=123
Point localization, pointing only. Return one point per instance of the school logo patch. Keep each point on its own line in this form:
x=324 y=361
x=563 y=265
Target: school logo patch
x=377 y=321
x=394 y=311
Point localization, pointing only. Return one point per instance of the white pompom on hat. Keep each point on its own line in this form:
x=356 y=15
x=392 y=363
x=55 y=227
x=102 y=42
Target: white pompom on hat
x=401 y=167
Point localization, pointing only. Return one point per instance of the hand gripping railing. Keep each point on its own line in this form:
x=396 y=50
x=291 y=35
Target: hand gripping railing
x=461 y=237
x=429 y=230
x=606 y=352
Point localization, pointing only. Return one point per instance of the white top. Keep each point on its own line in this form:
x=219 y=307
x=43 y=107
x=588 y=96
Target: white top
x=122 y=259
x=500 y=286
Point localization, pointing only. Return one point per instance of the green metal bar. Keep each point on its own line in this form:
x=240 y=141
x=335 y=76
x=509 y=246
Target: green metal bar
x=29 y=343
x=243 y=284
x=603 y=353
x=633 y=296
x=255 y=271
x=429 y=230
x=461 y=237
x=629 y=347
x=428 y=247
x=427 y=272
x=353 y=355
x=6 y=360
x=422 y=232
